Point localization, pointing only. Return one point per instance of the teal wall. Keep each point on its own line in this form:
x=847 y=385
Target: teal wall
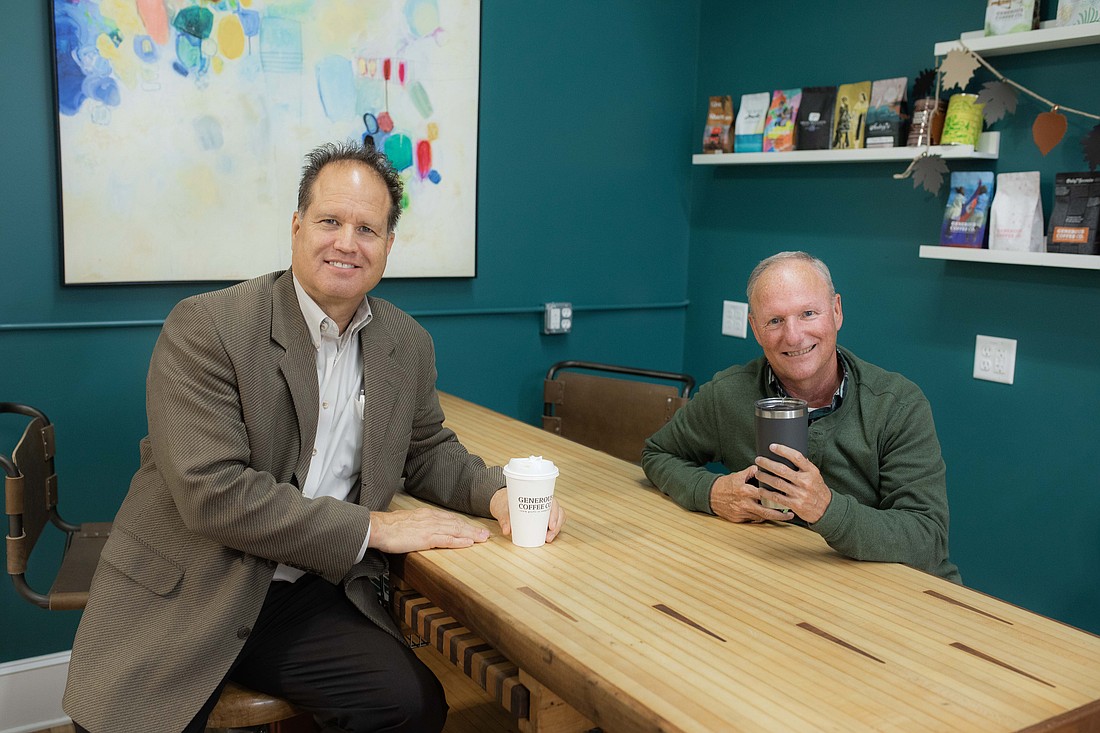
x=1022 y=482
x=586 y=128
x=589 y=115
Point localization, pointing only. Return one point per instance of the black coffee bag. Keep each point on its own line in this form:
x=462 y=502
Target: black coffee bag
x=1076 y=214
x=815 y=118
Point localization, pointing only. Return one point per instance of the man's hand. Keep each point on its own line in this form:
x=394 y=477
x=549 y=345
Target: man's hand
x=498 y=507
x=733 y=498
x=805 y=491
x=408 y=530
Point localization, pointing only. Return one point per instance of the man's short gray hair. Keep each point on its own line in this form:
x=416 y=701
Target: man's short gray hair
x=784 y=257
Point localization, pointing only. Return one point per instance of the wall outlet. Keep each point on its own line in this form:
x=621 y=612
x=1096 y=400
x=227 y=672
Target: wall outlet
x=734 y=318
x=557 y=318
x=995 y=359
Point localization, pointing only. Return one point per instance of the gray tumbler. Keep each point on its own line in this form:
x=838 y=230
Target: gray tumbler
x=783 y=420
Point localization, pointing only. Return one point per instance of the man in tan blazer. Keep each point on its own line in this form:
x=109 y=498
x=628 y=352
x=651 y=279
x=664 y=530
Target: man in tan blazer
x=284 y=413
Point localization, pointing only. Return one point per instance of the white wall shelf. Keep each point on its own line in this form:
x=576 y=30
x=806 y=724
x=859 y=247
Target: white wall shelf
x=1039 y=259
x=1046 y=38
x=988 y=149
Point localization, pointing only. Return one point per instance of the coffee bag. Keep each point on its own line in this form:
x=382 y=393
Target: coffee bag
x=850 y=115
x=748 y=130
x=814 y=120
x=1011 y=16
x=718 y=134
x=1016 y=217
x=1076 y=12
x=779 y=127
x=887 y=117
x=1076 y=214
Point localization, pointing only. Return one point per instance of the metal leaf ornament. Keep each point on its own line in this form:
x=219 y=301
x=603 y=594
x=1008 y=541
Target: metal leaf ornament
x=999 y=99
x=928 y=173
x=1049 y=129
x=958 y=68
x=1091 y=144
x=924 y=84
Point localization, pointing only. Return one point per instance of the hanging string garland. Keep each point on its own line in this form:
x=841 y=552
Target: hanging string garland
x=1000 y=98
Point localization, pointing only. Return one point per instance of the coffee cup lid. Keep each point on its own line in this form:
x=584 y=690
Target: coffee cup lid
x=531 y=467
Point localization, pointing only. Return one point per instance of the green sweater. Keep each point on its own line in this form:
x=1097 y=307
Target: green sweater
x=878 y=453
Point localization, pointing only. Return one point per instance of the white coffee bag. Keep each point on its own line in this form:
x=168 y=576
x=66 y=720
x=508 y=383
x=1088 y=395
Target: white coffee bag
x=749 y=126
x=1016 y=217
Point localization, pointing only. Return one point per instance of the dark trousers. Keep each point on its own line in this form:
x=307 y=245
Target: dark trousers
x=312 y=647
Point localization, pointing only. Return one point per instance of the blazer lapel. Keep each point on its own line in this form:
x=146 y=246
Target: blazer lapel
x=381 y=386
x=298 y=366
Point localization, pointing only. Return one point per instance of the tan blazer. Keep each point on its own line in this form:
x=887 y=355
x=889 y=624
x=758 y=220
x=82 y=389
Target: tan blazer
x=232 y=406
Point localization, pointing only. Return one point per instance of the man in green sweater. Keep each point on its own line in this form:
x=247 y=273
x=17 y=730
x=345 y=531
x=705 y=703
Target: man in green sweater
x=873 y=485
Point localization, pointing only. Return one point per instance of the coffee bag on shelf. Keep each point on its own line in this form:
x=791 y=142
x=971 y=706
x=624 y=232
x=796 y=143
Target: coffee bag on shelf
x=718 y=134
x=888 y=116
x=815 y=118
x=1011 y=16
x=1076 y=214
x=967 y=212
x=1016 y=216
x=1076 y=12
x=748 y=130
x=850 y=115
x=779 y=127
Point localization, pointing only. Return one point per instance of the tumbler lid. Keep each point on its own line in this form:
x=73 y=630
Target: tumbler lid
x=781 y=407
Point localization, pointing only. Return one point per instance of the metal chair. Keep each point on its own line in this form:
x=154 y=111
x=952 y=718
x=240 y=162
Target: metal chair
x=31 y=499
x=611 y=413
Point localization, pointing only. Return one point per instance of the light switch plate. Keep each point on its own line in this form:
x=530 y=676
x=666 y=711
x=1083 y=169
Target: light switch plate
x=735 y=318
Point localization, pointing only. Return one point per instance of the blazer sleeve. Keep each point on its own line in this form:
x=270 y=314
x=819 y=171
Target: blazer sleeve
x=229 y=483
x=438 y=468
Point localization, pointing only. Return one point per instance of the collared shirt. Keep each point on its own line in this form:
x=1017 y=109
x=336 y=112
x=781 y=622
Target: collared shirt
x=820 y=412
x=337 y=449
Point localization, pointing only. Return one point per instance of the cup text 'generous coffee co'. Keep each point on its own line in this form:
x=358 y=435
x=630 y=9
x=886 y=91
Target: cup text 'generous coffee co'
x=535 y=503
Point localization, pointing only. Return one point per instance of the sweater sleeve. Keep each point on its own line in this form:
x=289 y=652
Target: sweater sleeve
x=910 y=523
x=675 y=457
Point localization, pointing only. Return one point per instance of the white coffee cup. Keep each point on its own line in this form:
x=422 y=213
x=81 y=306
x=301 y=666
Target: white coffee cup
x=530 y=495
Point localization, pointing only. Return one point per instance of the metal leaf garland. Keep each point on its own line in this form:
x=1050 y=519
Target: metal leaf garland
x=1091 y=144
x=1048 y=129
x=925 y=84
x=999 y=99
x=958 y=68
x=928 y=173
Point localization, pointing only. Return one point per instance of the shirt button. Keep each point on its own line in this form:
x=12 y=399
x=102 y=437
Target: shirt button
x=243 y=632
x=324 y=405
x=314 y=451
x=324 y=325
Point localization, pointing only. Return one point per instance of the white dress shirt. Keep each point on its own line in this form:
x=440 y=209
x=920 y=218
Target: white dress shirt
x=337 y=450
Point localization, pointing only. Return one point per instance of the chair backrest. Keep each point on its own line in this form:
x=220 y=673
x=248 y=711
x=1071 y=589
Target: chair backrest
x=30 y=495
x=614 y=414
x=30 y=500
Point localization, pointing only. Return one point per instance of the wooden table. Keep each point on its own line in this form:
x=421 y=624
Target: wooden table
x=647 y=617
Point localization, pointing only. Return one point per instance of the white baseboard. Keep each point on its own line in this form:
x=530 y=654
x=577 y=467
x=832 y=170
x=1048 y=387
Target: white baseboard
x=30 y=693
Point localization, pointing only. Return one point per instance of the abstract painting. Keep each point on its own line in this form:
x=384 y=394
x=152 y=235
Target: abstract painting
x=183 y=125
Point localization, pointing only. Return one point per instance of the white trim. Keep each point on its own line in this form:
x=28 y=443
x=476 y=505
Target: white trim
x=1048 y=36
x=989 y=147
x=1007 y=257
x=30 y=693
